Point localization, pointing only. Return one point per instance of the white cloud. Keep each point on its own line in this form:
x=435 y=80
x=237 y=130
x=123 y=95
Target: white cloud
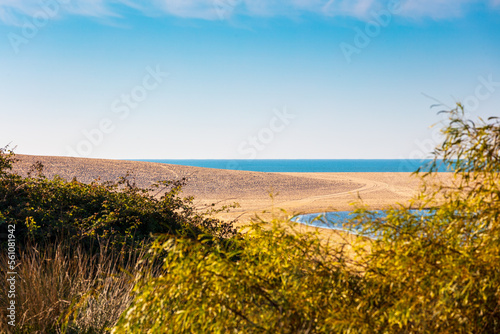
x=12 y=11
x=435 y=9
x=358 y=8
x=98 y=8
x=202 y=9
x=6 y=16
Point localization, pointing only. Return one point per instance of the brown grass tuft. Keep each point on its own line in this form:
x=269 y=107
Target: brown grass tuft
x=65 y=289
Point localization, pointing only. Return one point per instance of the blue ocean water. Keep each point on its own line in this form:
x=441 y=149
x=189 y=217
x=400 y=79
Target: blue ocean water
x=307 y=166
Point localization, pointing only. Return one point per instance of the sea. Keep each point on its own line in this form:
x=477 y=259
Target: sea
x=307 y=165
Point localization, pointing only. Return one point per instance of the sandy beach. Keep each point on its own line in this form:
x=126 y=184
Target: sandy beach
x=294 y=192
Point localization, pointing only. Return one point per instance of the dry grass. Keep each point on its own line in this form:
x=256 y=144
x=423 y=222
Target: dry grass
x=62 y=288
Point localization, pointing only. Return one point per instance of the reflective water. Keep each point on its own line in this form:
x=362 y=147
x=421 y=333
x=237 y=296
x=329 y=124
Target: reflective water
x=335 y=220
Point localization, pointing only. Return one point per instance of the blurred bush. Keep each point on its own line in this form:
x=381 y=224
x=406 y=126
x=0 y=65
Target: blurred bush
x=433 y=273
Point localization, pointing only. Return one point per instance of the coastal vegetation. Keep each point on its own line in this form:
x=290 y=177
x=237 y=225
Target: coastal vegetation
x=77 y=244
x=98 y=258
x=420 y=274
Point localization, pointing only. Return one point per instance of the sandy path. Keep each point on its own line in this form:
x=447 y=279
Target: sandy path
x=368 y=186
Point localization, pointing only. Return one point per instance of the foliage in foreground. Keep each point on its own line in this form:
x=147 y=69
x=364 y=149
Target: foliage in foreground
x=436 y=273
x=275 y=281
x=441 y=272
x=76 y=244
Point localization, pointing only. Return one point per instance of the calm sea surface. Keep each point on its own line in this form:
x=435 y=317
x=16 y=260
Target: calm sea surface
x=306 y=166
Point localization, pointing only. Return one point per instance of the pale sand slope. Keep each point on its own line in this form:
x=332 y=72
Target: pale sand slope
x=295 y=192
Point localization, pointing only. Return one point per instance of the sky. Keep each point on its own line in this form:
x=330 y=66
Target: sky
x=243 y=79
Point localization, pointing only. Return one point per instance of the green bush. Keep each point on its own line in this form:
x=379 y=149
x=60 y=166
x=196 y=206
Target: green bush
x=437 y=273
x=44 y=210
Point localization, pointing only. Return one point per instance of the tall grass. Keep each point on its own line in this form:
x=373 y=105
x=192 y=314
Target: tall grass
x=76 y=243
x=62 y=288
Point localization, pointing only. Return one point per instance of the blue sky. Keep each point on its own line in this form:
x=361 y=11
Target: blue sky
x=242 y=79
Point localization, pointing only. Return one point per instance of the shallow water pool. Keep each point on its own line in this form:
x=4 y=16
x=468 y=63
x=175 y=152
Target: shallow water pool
x=335 y=220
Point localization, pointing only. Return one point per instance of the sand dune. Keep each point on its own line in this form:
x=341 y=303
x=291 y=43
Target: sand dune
x=295 y=192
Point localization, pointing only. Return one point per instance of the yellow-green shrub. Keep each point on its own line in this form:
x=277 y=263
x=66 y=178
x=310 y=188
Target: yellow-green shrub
x=437 y=273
